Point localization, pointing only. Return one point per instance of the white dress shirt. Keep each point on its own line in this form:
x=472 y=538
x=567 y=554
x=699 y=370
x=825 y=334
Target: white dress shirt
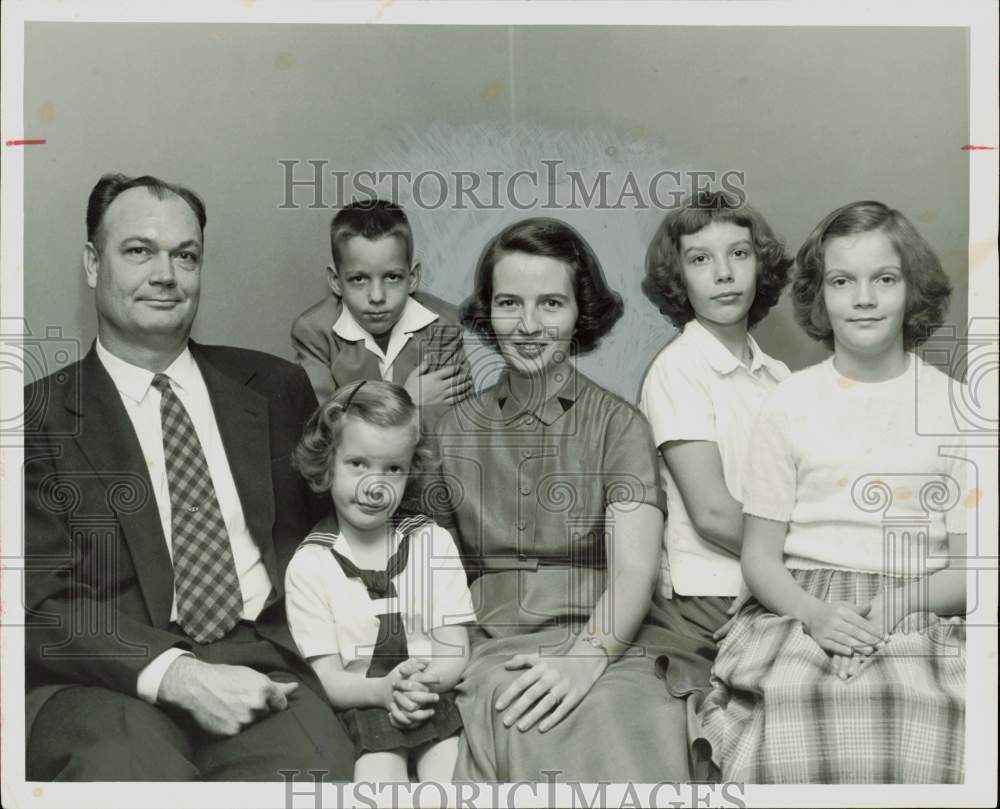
x=142 y=403
x=415 y=316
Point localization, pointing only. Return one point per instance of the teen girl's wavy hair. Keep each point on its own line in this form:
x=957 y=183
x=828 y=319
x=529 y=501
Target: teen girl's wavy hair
x=928 y=289
x=664 y=281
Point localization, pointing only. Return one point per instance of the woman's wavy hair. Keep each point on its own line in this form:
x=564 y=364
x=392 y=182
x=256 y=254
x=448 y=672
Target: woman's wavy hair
x=381 y=404
x=600 y=307
x=928 y=289
x=664 y=280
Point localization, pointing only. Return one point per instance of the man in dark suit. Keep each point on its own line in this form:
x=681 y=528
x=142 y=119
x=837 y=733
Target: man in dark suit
x=161 y=510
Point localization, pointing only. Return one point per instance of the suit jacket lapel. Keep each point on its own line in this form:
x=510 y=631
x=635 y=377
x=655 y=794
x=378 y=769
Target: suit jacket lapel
x=110 y=444
x=242 y=417
x=353 y=363
x=406 y=360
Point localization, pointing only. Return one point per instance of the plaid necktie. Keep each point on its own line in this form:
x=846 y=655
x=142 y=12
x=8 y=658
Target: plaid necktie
x=209 y=601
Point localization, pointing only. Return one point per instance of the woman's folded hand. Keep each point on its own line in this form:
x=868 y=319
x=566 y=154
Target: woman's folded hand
x=549 y=688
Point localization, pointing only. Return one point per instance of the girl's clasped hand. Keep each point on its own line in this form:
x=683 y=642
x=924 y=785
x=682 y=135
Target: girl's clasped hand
x=845 y=631
x=407 y=695
x=883 y=614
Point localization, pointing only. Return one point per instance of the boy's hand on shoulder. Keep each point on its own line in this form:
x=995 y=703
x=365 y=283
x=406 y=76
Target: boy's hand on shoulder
x=449 y=384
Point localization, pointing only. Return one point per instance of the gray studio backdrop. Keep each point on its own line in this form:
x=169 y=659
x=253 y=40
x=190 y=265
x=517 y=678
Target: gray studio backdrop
x=803 y=119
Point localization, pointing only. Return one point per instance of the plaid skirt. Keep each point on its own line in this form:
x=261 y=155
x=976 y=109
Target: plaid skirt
x=372 y=732
x=778 y=714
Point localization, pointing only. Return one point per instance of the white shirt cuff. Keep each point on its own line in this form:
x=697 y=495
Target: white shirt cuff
x=148 y=684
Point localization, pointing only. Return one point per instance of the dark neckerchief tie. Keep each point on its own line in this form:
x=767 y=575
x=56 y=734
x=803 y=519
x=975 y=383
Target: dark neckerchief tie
x=390 y=645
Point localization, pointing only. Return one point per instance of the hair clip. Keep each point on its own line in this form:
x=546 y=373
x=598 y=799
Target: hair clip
x=354 y=393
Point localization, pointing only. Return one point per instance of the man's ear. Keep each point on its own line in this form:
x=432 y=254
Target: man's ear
x=91 y=262
x=414 y=276
x=333 y=279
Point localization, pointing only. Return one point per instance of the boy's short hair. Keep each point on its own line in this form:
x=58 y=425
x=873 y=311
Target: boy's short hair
x=599 y=306
x=664 y=281
x=928 y=289
x=372 y=219
x=382 y=404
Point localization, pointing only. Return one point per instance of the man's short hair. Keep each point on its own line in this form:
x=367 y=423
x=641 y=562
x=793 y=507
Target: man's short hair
x=372 y=219
x=111 y=185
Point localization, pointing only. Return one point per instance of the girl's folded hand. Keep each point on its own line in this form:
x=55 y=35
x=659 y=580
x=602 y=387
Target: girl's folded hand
x=841 y=628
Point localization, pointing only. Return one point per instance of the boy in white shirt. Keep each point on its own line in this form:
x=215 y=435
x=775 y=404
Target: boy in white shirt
x=373 y=326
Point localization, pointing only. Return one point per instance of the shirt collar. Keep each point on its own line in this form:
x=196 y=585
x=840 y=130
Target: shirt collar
x=415 y=316
x=347 y=327
x=548 y=410
x=721 y=358
x=759 y=359
x=328 y=528
x=134 y=382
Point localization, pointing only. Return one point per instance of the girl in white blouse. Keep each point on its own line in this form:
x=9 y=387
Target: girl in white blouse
x=845 y=667
x=376 y=600
x=715 y=269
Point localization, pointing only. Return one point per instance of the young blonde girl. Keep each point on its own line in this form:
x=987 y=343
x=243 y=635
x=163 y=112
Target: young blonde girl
x=376 y=595
x=848 y=664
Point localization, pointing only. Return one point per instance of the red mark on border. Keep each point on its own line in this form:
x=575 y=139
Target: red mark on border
x=970 y=148
x=30 y=142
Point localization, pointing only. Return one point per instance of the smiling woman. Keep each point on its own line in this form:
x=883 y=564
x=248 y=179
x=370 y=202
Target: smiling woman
x=533 y=313
x=553 y=487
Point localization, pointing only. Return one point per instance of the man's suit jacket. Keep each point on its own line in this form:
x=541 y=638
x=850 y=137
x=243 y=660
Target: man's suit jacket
x=99 y=580
x=333 y=362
